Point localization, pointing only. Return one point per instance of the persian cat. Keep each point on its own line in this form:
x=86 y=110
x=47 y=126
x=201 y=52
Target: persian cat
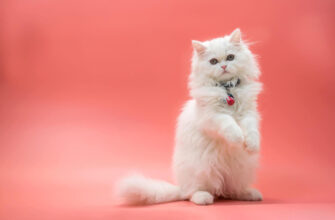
x=217 y=135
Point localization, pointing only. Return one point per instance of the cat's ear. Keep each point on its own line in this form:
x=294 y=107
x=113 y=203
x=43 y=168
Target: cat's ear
x=198 y=46
x=235 y=36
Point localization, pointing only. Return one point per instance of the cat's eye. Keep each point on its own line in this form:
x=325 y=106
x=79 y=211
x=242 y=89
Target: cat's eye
x=213 y=61
x=230 y=57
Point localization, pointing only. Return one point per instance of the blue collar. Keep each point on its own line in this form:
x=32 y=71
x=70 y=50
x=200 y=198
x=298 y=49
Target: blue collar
x=229 y=84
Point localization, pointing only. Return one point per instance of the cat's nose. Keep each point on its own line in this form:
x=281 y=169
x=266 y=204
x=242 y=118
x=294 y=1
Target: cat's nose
x=224 y=67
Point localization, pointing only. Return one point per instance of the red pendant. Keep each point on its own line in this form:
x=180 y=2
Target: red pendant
x=230 y=100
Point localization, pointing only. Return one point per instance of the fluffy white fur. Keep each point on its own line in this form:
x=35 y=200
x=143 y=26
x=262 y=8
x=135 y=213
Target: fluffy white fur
x=217 y=145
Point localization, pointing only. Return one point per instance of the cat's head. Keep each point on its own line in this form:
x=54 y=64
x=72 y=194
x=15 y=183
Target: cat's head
x=222 y=59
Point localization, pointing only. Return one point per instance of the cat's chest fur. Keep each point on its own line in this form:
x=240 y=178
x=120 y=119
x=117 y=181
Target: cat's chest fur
x=235 y=91
x=239 y=103
x=244 y=94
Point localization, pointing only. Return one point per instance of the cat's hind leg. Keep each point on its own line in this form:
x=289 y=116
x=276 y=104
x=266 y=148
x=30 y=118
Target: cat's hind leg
x=249 y=194
x=202 y=198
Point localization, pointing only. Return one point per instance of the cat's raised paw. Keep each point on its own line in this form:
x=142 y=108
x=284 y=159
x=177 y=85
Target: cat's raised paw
x=202 y=198
x=252 y=143
x=234 y=135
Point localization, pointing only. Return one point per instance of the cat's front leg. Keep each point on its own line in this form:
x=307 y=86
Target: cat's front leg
x=249 y=124
x=229 y=129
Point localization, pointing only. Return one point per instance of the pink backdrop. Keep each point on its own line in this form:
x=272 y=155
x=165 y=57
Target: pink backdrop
x=90 y=90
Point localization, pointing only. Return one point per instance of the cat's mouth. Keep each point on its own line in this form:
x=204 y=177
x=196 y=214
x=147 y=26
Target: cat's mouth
x=226 y=75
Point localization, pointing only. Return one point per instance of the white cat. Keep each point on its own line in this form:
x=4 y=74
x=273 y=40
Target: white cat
x=217 y=141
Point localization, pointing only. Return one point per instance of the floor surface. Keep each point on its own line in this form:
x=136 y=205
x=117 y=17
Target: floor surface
x=90 y=91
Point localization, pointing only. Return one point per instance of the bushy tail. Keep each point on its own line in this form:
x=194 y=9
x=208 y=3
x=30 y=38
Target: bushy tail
x=139 y=190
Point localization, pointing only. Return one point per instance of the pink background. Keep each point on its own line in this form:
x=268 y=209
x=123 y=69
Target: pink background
x=90 y=90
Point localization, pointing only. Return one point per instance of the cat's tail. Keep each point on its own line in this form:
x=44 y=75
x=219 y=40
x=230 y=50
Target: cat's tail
x=139 y=190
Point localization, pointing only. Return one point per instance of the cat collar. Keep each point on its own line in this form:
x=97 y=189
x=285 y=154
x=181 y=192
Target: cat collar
x=230 y=100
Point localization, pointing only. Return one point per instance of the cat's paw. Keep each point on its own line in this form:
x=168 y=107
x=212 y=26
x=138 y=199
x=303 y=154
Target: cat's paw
x=250 y=195
x=202 y=198
x=234 y=134
x=252 y=143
